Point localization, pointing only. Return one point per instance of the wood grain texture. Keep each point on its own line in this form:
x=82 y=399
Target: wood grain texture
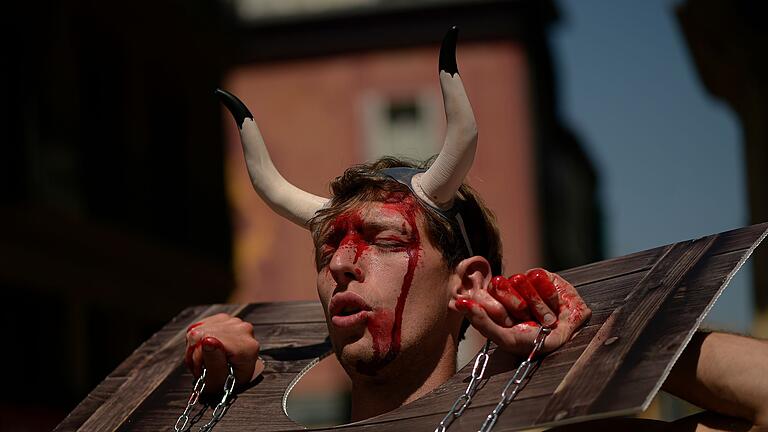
x=595 y=368
x=646 y=307
x=137 y=376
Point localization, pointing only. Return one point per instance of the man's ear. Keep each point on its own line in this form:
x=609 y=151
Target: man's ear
x=470 y=275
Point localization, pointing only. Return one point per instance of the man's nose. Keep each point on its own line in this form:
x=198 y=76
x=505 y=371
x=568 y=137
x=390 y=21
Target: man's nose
x=343 y=267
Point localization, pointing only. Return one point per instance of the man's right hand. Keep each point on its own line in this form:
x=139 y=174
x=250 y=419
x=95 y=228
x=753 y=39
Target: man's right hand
x=216 y=341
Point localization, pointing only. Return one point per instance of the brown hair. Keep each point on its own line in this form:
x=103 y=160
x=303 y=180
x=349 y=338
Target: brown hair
x=365 y=183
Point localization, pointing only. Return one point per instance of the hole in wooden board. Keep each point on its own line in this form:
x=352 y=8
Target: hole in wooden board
x=320 y=397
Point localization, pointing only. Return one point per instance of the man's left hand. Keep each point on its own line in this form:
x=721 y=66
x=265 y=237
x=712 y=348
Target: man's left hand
x=511 y=310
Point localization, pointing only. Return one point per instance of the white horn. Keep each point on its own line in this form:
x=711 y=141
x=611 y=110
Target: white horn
x=284 y=198
x=442 y=180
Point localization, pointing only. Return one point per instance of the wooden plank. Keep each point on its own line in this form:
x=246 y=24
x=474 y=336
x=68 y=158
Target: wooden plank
x=669 y=334
x=523 y=411
x=614 y=267
x=596 y=367
x=115 y=380
x=85 y=409
x=287 y=312
x=740 y=239
x=147 y=370
x=286 y=349
x=652 y=300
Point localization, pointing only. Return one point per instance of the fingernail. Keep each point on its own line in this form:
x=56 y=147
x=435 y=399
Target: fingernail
x=538 y=275
x=549 y=319
x=211 y=344
x=517 y=280
x=197 y=324
x=464 y=304
x=496 y=283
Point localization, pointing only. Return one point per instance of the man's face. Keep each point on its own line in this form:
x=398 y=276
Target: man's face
x=382 y=286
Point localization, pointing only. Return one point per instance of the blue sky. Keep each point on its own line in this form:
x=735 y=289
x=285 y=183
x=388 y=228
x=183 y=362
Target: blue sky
x=670 y=156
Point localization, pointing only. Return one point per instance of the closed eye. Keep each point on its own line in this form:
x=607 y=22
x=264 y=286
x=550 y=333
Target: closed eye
x=391 y=241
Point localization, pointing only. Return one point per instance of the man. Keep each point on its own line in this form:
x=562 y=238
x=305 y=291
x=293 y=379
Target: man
x=407 y=255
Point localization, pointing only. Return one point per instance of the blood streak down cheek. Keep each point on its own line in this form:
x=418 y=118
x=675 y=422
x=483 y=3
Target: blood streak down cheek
x=380 y=327
x=407 y=208
x=386 y=328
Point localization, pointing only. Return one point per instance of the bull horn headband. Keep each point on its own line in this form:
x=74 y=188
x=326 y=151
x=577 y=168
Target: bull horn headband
x=437 y=186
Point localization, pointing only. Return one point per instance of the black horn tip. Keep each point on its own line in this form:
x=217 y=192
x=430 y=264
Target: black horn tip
x=448 y=52
x=235 y=106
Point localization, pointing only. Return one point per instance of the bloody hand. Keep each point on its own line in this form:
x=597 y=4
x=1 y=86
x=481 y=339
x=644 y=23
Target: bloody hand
x=510 y=310
x=216 y=341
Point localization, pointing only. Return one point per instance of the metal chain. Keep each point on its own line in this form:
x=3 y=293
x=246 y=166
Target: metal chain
x=457 y=409
x=184 y=417
x=463 y=401
x=220 y=409
x=222 y=406
x=515 y=384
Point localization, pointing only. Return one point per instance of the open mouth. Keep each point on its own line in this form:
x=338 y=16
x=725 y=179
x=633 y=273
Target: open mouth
x=348 y=309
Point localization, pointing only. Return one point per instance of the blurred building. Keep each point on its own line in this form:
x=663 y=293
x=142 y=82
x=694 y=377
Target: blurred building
x=124 y=194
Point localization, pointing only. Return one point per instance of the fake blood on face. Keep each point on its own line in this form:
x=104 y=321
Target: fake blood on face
x=387 y=346
x=380 y=327
x=350 y=224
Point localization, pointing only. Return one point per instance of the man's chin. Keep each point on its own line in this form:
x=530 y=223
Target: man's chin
x=357 y=358
x=353 y=352
x=360 y=360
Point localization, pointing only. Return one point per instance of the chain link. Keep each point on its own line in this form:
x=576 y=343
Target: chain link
x=222 y=406
x=184 y=417
x=218 y=411
x=515 y=384
x=463 y=401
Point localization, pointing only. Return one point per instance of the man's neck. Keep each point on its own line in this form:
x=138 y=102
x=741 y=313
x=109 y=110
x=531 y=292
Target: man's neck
x=371 y=397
